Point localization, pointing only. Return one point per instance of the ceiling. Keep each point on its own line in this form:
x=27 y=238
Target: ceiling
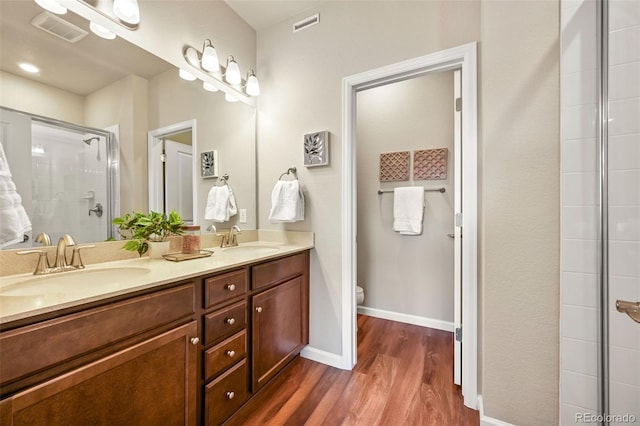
x=261 y=14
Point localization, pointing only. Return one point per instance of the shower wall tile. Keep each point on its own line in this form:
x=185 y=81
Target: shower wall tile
x=623 y=333
x=625 y=399
x=579 y=389
x=583 y=356
x=580 y=289
x=580 y=256
x=623 y=116
x=624 y=187
x=624 y=152
x=624 y=223
x=579 y=155
x=569 y=414
x=580 y=122
x=624 y=45
x=624 y=81
x=580 y=189
x=623 y=288
x=624 y=14
x=578 y=221
x=624 y=259
x=580 y=323
x=627 y=359
x=579 y=88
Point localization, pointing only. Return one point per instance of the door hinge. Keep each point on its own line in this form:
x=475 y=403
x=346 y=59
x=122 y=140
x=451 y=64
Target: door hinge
x=458 y=104
x=459 y=220
x=459 y=334
x=163 y=158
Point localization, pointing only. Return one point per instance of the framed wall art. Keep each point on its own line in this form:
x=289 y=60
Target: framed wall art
x=316 y=149
x=209 y=164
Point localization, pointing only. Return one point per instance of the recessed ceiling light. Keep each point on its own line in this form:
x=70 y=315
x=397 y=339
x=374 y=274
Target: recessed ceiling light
x=31 y=69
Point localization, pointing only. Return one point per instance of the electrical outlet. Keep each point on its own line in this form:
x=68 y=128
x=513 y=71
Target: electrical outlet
x=243 y=215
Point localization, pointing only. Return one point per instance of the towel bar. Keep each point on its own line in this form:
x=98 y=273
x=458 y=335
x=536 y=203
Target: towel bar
x=290 y=170
x=382 y=191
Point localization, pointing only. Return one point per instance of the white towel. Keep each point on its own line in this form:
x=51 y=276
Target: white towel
x=408 y=210
x=287 y=202
x=14 y=221
x=221 y=204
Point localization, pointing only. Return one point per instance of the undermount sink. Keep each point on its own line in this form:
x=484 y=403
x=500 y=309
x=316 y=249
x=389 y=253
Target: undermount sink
x=248 y=248
x=74 y=281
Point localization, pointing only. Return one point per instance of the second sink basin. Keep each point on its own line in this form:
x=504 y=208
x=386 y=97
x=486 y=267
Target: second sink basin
x=74 y=281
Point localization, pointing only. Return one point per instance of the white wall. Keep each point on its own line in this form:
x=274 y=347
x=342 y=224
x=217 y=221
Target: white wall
x=405 y=274
x=301 y=77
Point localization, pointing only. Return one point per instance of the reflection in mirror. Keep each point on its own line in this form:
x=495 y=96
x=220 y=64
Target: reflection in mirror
x=99 y=84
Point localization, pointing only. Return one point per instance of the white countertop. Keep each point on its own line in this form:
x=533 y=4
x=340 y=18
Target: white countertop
x=27 y=295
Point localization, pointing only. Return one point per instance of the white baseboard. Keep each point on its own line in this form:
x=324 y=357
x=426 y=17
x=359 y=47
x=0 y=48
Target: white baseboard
x=489 y=421
x=407 y=319
x=322 y=357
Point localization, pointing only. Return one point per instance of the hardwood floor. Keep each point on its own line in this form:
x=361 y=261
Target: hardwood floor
x=404 y=376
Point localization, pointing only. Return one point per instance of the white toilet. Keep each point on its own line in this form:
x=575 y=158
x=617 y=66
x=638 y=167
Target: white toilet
x=359 y=295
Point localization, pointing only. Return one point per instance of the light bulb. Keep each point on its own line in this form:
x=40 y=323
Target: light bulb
x=210 y=60
x=30 y=68
x=232 y=75
x=127 y=11
x=230 y=98
x=253 y=87
x=52 y=6
x=101 y=31
x=209 y=87
x=186 y=75
x=191 y=55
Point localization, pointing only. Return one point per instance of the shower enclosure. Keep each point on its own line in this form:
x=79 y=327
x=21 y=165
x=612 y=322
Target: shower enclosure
x=66 y=176
x=600 y=294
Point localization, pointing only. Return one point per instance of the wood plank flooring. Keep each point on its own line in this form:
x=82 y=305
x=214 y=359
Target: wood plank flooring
x=404 y=376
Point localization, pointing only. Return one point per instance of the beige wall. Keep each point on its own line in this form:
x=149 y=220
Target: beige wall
x=405 y=274
x=301 y=77
x=226 y=127
x=30 y=96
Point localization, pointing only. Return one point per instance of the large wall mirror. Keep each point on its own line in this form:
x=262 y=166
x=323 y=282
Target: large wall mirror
x=88 y=91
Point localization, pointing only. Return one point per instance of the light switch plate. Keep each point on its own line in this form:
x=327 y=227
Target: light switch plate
x=243 y=215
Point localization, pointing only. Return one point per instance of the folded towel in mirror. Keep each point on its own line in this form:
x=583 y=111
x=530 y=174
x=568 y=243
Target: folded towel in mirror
x=221 y=204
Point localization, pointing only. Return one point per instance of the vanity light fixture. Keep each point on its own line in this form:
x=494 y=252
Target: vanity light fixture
x=232 y=74
x=210 y=60
x=252 y=88
x=30 y=68
x=52 y=6
x=209 y=87
x=192 y=56
x=127 y=11
x=101 y=31
x=230 y=98
x=186 y=75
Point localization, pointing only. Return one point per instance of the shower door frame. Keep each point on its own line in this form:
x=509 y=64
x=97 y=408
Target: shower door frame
x=465 y=58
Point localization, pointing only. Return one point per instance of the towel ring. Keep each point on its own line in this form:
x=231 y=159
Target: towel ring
x=290 y=170
x=223 y=179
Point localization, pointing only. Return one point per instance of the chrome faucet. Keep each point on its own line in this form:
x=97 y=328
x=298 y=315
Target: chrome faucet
x=231 y=239
x=44 y=267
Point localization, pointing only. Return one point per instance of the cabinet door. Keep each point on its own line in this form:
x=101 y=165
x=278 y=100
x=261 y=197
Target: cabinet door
x=278 y=328
x=150 y=383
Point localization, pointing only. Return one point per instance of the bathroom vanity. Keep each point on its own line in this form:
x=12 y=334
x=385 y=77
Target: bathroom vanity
x=190 y=348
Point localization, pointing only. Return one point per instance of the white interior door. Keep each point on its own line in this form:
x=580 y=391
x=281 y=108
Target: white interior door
x=178 y=179
x=457 y=262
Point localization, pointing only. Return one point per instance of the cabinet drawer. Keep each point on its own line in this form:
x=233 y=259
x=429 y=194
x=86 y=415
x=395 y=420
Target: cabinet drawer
x=225 y=354
x=224 y=322
x=32 y=348
x=279 y=270
x=226 y=394
x=224 y=287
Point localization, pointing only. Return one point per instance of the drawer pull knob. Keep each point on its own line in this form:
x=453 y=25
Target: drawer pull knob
x=230 y=321
x=230 y=395
x=259 y=309
x=231 y=354
x=195 y=340
x=230 y=287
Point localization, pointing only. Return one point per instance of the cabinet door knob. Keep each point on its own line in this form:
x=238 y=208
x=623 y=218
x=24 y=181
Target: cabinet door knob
x=230 y=287
x=230 y=395
x=195 y=340
x=231 y=354
x=259 y=309
x=230 y=321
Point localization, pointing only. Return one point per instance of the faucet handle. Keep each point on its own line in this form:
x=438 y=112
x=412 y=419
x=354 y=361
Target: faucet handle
x=212 y=228
x=44 y=239
x=76 y=259
x=43 y=261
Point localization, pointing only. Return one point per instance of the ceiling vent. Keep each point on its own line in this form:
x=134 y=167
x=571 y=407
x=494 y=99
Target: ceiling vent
x=59 y=27
x=306 y=23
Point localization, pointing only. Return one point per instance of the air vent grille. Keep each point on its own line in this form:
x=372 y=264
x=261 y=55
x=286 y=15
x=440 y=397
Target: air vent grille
x=306 y=23
x=58 y=27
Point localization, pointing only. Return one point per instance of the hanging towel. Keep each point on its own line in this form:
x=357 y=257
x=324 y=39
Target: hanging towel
x=221 y=204
x=287 y=202
x=14 y=222
x=408 y=210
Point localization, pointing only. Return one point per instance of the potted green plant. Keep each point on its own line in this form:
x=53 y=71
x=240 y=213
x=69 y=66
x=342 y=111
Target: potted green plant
x=143 y=230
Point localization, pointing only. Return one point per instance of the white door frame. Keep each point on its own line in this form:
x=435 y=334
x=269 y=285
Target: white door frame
x=154 y=149
x=465 y=58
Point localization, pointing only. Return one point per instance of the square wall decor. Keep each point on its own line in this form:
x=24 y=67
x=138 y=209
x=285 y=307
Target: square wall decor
x=430 y=164
x=316 y=149
x=394 y=166
x=209 y=164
